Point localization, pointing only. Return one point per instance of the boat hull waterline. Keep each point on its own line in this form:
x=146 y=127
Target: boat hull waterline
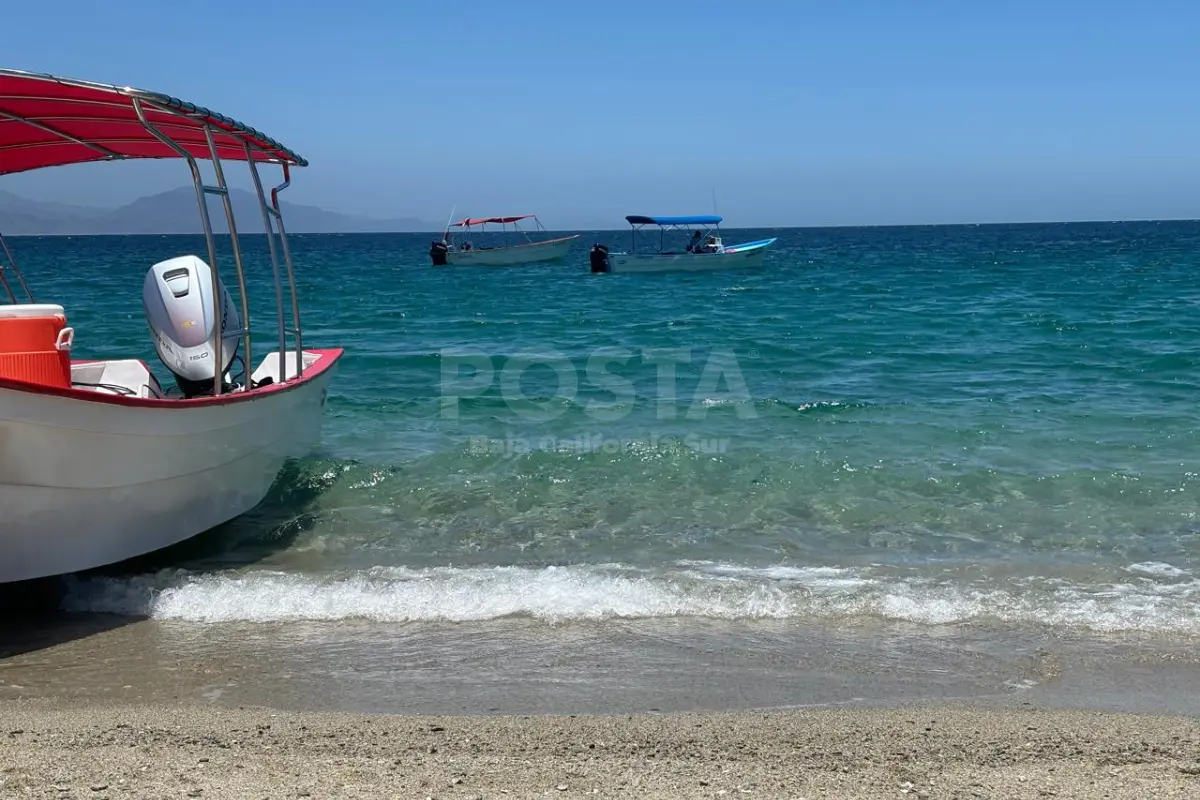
x=750 y=254
x=89 y=480
x=533 y=252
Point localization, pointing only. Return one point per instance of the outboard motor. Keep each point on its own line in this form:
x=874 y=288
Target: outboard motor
x=598 y=258
x=177 y=297
x=437 y=253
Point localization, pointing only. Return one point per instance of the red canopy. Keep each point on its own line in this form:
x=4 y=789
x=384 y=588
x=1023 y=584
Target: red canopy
x=481 y=220
x=47 y=121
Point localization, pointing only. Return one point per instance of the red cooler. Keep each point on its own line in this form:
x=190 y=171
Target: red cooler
x=35 y=344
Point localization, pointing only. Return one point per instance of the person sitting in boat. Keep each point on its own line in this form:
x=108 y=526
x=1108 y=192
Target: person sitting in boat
x=467 y=246
x=694 y=244
x=710 y=246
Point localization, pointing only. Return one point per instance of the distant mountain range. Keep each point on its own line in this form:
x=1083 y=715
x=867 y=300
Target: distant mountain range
x=175 y=211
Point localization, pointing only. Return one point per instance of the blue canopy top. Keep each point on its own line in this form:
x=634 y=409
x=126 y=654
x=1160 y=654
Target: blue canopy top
x=702 y=220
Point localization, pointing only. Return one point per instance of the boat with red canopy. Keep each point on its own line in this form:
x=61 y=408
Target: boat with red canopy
x=99 y=461
x=506 y=253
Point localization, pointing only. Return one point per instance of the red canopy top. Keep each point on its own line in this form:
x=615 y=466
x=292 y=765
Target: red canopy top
x=47 y=121
x=481 y=220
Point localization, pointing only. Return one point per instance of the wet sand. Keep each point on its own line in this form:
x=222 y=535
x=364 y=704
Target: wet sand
x=932 y=751
x=513 y=667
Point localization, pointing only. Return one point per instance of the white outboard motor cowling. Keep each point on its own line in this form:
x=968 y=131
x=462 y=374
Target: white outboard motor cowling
x=177 y=297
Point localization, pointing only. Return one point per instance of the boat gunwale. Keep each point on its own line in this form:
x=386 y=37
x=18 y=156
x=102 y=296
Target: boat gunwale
x=328 y=357
x=733 y=249
x=515 y=246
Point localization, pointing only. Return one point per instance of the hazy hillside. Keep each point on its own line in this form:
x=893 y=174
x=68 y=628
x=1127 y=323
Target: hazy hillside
x=175 y=212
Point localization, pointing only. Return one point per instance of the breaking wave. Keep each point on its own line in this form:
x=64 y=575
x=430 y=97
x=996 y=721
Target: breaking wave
x=1152 y=597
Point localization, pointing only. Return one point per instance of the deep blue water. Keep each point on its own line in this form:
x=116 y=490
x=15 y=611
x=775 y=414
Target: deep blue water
x=932 y=424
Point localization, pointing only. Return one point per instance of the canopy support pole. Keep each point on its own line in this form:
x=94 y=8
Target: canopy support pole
x=277 y=212
x=202 y=192
x=11 y=263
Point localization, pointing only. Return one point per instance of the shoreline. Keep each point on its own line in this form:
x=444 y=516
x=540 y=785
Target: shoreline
x=54 y=749
x=525 y=666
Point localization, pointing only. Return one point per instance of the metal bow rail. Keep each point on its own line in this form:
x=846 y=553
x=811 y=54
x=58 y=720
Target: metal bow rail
x=272 y=217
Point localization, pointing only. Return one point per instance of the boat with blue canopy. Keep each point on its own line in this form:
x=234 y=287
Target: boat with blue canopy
x=701 y=252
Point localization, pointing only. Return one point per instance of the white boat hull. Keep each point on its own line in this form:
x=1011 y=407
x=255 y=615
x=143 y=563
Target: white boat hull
x=739 y=256
x=90 y=482
x=529 y=253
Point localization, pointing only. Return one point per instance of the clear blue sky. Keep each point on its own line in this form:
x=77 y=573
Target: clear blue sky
x=797 y=113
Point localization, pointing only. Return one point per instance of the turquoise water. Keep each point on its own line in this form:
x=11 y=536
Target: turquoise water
x=933 y=425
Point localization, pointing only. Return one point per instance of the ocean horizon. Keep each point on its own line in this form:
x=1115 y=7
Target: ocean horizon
x=625 y=228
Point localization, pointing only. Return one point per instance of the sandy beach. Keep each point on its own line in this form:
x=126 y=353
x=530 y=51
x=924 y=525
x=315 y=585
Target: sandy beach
x=931 y=751
x=95 y=709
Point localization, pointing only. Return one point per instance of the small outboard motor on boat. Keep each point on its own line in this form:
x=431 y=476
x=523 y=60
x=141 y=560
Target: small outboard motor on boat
x=437 y=252
x=177 y=297
x=598 y=258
